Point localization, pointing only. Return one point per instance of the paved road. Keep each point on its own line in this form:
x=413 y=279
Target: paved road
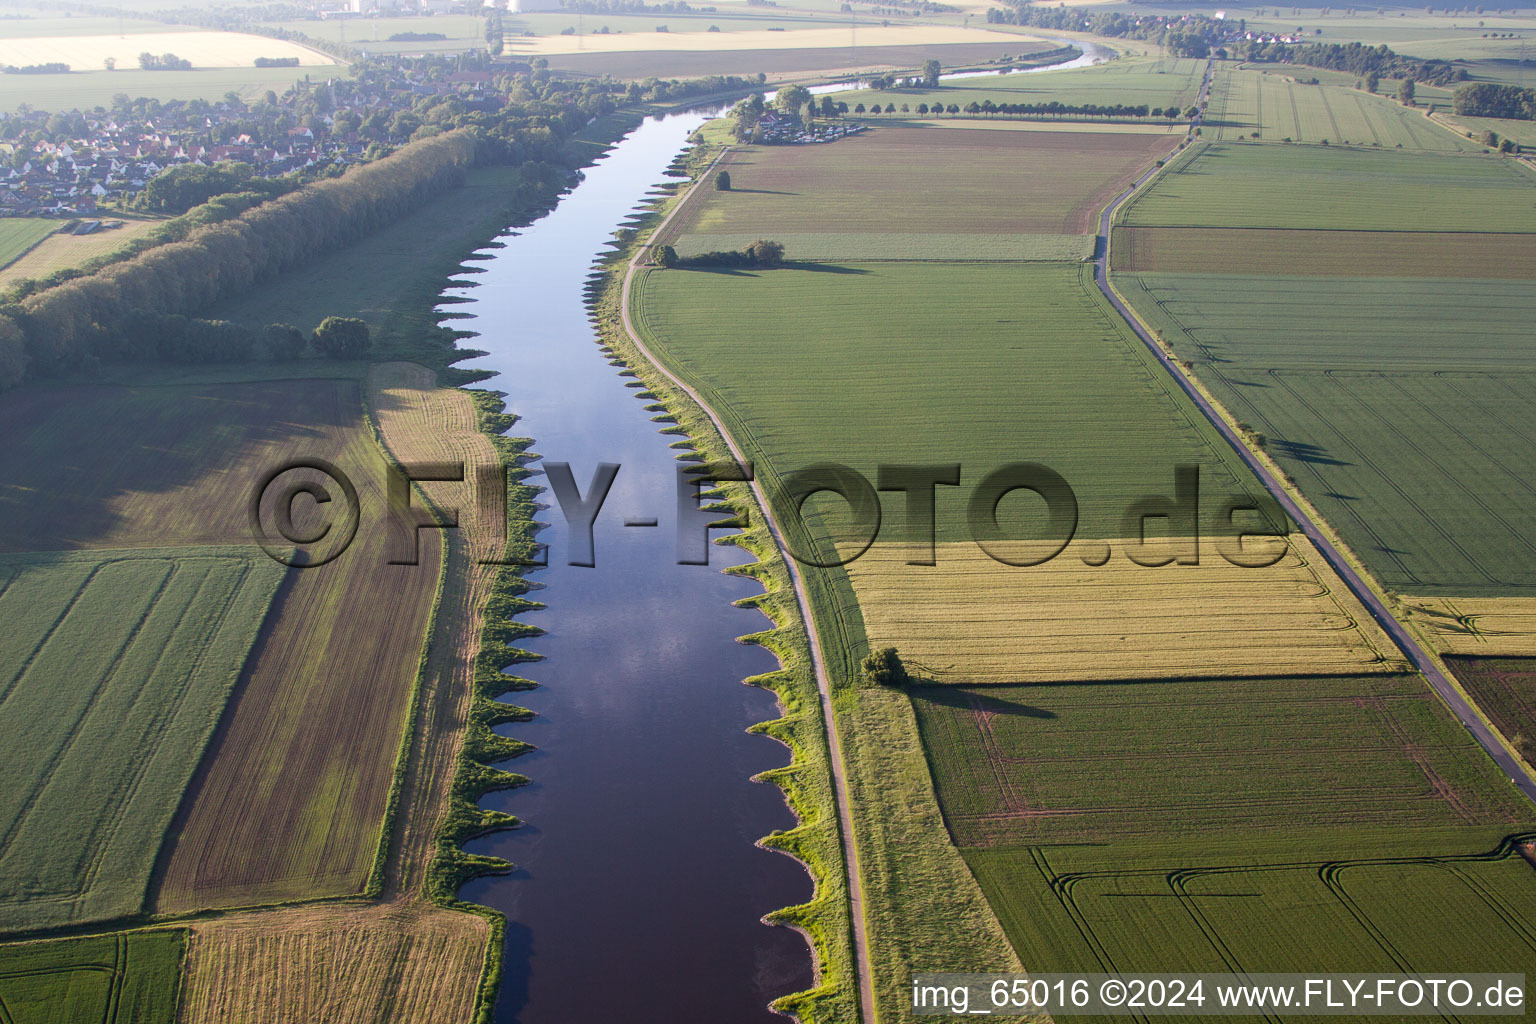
x=861 y=964
x=1400 y=635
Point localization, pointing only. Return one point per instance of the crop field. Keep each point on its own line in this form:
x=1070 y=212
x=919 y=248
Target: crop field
x=1523 y=132
x=129 y=977
x=834 y=37
x=203 y=49
x=87 y=87
x=115 y=667
x=1278 y=107
x=1421 y=453
x=59 y=252
x=1505 y=689
x=842 y=247
x=971 y=619
x=1483 y=626
x=1356 y=900
x=18 y=235
x=325 y=701
x=1075 y=762
x=1155 y=81
x=398 y=962
x=943 y=181
x=1436 y=254
x=789 y=59
x=1279 y=186
x=992 y=364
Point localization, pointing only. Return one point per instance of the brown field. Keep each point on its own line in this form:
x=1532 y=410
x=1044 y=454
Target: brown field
x=60 y=252
x=970 y=619
x=412 y=964
x=291 y=796
x=1325 y=253
x=925 y=180
x=1486 y=626
x=833 y=61
x=1505 y=690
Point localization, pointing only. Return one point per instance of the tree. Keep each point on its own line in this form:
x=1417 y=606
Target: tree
x=1372 y=81
x=763 y=253
x=285 y=342
x=931 y=70
x=883 y=667
x=664 y=256
x=110 y=63
x=723 y=181
x=791 y=98
x=1405 y=92
x=1489 y=138
x=342 y=337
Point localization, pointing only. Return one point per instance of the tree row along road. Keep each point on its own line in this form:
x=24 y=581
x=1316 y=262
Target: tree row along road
x=1518 y=773
x=861 y=964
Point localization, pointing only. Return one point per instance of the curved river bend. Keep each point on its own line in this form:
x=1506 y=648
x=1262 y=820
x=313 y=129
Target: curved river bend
x=639 y=888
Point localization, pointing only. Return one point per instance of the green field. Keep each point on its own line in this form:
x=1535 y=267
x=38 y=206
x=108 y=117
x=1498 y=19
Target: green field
x=85 y=90
x=1401 y=406
x=1279 y=186
x=1357 y=900
x=115 y=667
x=18 y=234
x=1075 y=762
x=1505 y=689
x=1273 y=104
x=1155 y=81
x=126 y=978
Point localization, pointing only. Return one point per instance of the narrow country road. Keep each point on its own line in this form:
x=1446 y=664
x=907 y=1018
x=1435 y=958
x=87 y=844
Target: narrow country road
x=861 y=964
x=1400 y=635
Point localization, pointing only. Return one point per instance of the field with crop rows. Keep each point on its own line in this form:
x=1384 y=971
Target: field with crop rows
x=1400 y=406
x=84 y=88
x=842 y=247
x=1278 y=186
x=151 y=642
x=58 y=252
x=971 y=619
x=1505 y=688
x=1277 y=106
x=204 y=49
x=941 y=181
x=1443 y=254
x=18 y=235
x=1098 y=761
x=1481 y=626
x=128 y=978
x=1356 y=900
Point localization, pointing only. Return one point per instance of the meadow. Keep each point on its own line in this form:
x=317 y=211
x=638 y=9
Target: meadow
x=151 y=642
x=1417 y=451
x=1505 y=689
x=941 y=182
x=128 y=977
x=1353 y=900
x=1131 y=758
x=838 y=53
x=1277 y=106
x=19 y=235
x=1278 y=186
x=86 y=88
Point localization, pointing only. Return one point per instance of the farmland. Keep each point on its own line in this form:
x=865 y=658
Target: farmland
x=88 y=87
x=1443 y=511
x=1481 y=626
x=130 y=976
x=789 y=57
x=1076 y=762
x=1447 y=254
x=154 y=641
x=1277 y=106
x=1505 y=688
x=18 y=235
x=203 y=49
x=59 y=251
x=1279 y=186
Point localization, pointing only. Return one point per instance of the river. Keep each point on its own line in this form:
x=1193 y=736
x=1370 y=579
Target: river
x=638 y=891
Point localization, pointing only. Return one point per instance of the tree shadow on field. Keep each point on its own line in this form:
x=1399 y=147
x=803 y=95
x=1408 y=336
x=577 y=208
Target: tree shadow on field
x=1303 y=451
x=964 y=699
x=822 y=268
x=761 y=191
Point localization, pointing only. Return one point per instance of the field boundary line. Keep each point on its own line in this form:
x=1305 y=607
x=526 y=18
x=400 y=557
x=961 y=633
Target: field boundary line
x=1335 y=552
x=861 y=964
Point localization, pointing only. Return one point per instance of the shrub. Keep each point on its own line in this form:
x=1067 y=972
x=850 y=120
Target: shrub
x=342 y=337
x=884 y=668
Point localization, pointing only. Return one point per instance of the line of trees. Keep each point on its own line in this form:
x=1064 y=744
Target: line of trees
x=1354 y=58
x=54 y=68
x=89 y=318
x=284 y=62
x=762 y=254
x=1485 y=99
x=1054 y=108
x=163 y=62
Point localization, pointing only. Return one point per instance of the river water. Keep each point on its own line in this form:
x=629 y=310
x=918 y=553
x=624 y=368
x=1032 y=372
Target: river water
x=639 y=889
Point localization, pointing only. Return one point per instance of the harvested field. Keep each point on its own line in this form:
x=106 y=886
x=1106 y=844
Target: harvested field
x=1353 y=900
x=397 y=962
x=115 y=668
x=290 y=802
x=970 y=619
x=1277 y=106
x=1324 y=253
x=129 y=977
x=943 y=181
x=1094 y=762
x=1277 y=186
x=203 y=49
x=19 y=235
x=1482 y=626
x=1505 y=690
x=61 y=252
x=1421 y=452
x=834 y=58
